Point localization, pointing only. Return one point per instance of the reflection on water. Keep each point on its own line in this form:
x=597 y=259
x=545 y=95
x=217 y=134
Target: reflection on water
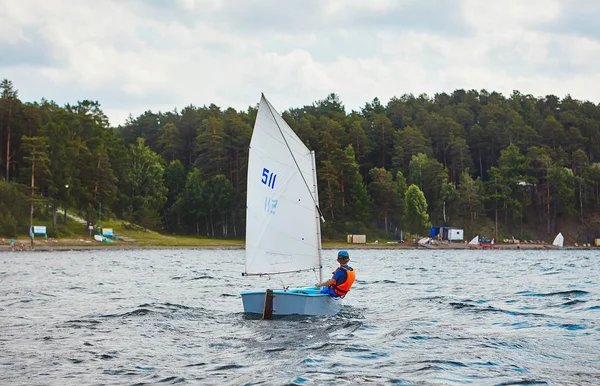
x=413 y=317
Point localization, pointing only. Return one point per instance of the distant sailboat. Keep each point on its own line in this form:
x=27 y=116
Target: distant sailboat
x=424 y=241
x=559 y=240
x=474 y=241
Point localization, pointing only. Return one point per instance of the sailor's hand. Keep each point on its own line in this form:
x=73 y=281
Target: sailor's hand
x=318 y=285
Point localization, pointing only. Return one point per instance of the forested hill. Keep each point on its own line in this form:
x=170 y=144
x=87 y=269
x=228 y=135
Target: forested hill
x=502 y=165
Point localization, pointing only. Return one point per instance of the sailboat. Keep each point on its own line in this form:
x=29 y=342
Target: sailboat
x=283 y=229
x=474 y=243
x=558 y=240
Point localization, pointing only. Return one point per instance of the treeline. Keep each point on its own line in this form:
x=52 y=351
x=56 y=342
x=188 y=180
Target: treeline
x=471 y=159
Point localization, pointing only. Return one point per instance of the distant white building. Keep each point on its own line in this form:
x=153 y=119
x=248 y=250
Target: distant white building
x=447 y=233
x=455 y=234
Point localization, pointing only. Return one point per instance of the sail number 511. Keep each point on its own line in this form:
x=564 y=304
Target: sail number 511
x=268 y=178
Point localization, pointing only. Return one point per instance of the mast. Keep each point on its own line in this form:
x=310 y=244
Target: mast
x=317 y=213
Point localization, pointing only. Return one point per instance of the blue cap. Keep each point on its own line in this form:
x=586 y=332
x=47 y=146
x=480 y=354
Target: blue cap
x=344 y=254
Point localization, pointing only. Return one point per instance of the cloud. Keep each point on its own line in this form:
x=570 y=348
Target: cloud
x=577 y=17
x=158 y=55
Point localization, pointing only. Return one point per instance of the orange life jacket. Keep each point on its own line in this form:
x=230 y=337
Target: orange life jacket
x=342 y=288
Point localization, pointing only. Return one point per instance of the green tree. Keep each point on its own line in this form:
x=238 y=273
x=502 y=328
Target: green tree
x=13 y=206
x=358 y=138
x=429 y=175
x=62 y=169
x=175 y=180
x=385 y=194
x=359 y=205
x=145 y=185
x=497 y=194
x=378 y=128
x=408 y=143
x=562 y=183
x=218 y=192
x=38 y=160
x=459 y=158
x=515 y=168
x=542 y=163
x=448 y=198
x=580 y=165
x=592 y=178
x=194 y=199
x=169 y=142
x=470 y=206
x=9 y=103
x=188 y=128
x=105 y=187
x=442 y=131
x=401 y=189
x=239 y=133
x=337 y=167
x=552 y=132
x=211 y=146
x=416 y=219
x=478 y=144
x=356 y=200
x=329 y=186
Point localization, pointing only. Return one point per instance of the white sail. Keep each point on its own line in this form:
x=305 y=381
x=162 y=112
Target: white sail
x=475 y=241
x=558 y=240
x=282 y=228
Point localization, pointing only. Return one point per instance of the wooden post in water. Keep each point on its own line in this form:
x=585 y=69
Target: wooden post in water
x=268 y=307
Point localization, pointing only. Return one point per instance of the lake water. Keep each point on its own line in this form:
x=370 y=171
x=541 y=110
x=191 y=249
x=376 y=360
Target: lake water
x=414 y=317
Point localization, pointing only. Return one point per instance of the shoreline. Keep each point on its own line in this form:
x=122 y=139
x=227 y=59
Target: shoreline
x=48 y=245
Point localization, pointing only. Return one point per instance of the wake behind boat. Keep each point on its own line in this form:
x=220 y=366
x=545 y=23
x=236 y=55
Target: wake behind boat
x=283 y=230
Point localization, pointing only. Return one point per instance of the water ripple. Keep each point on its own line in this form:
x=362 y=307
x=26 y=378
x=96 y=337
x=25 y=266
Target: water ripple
x=414 y=317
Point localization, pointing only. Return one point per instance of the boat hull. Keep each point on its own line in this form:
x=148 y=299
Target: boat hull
x=489 y=246
x=295 y=301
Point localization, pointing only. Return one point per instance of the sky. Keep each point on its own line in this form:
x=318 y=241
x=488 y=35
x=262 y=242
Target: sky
x=138 y=55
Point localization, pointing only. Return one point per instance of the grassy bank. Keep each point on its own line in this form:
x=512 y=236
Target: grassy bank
x=75 y=235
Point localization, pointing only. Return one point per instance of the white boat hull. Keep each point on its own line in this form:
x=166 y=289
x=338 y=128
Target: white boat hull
x=295 y=301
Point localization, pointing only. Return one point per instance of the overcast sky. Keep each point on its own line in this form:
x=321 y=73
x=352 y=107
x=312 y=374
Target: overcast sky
x=138 y=55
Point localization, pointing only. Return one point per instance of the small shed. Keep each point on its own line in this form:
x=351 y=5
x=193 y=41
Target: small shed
x=455 y=234
x=447 y=233
x=356 y=239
